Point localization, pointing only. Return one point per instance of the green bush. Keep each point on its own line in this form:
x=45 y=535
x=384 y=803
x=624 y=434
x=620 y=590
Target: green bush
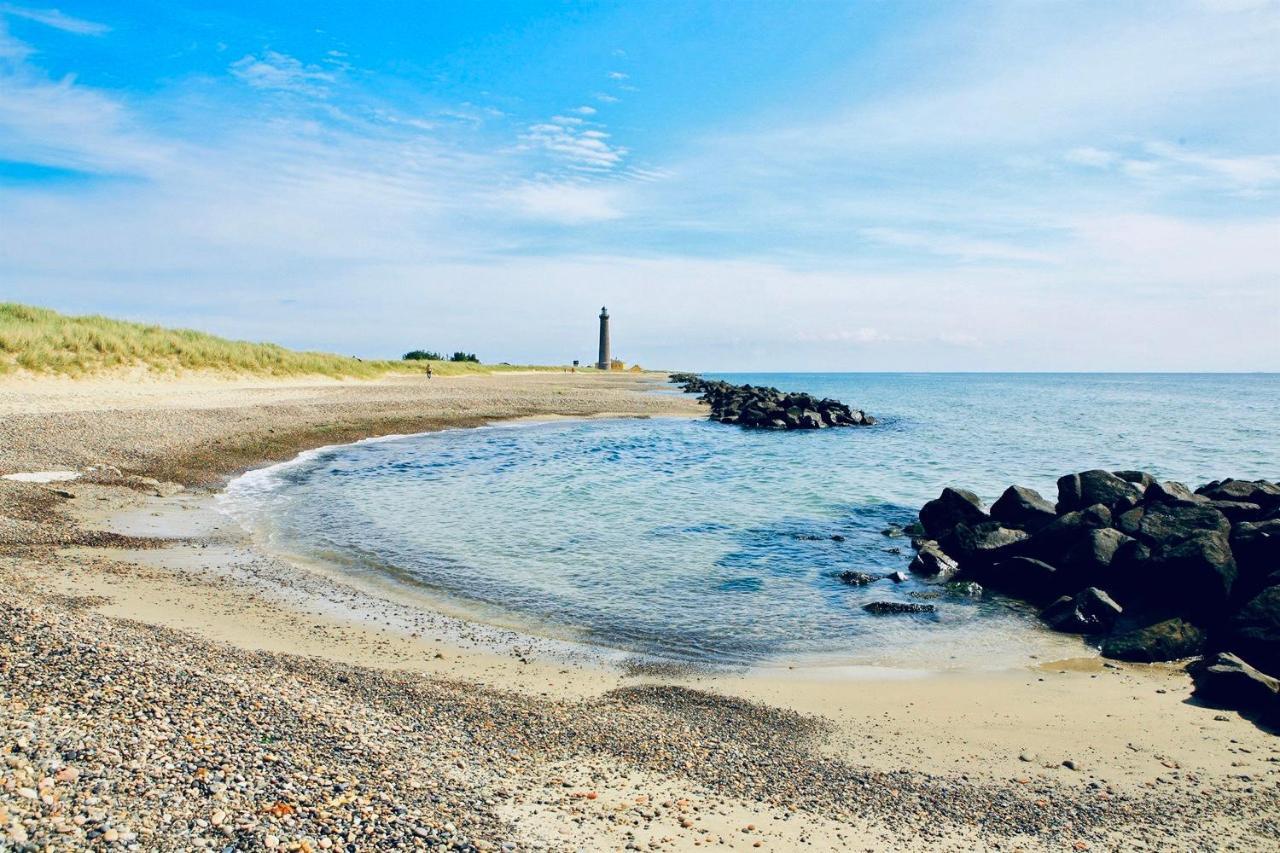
x=422 y=355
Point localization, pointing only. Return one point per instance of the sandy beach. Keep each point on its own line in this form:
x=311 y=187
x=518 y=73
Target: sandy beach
x=166 y=683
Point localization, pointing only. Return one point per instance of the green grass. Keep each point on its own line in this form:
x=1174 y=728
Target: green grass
x=42 y=341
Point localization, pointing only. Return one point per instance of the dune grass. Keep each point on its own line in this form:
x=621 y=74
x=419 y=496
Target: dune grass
x=41 y=341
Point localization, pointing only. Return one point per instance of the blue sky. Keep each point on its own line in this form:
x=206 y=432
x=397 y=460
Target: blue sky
x=747 y=185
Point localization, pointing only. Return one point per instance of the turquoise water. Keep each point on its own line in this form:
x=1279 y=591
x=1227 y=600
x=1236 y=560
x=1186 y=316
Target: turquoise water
x=690 y=540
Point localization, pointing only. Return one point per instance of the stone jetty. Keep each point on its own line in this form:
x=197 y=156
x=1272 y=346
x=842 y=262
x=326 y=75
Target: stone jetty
x=1154 y=571
x=762 y=407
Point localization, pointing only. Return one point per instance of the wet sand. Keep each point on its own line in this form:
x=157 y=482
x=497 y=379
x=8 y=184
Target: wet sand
x=1055 y=755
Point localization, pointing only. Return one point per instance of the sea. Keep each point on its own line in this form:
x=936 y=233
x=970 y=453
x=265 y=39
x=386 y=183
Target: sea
x=686 y=541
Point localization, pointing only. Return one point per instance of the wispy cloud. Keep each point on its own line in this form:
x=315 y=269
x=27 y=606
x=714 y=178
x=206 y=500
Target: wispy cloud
x=280 y=72
x=582 y=149
x=56 y=19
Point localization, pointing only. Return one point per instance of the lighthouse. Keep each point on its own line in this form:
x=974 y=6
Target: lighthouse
x=603 y=362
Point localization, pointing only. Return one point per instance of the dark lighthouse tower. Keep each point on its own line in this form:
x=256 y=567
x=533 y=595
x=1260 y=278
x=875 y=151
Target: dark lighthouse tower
x=603 y=363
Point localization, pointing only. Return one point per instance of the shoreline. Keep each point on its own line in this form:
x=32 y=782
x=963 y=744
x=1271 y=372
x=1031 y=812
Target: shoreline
x=973 y=733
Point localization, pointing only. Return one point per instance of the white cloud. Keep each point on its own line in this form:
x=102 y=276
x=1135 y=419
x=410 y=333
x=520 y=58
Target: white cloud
x=581 y=149
x=618 y=75
x=283 y=73
x=56 y=19
x=959 y=247
x=585 y=110
x=1094 y=157
x=605 y=98
x=567 y=202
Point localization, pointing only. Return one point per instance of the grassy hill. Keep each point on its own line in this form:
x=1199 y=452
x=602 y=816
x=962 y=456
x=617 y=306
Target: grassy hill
x=43 y=341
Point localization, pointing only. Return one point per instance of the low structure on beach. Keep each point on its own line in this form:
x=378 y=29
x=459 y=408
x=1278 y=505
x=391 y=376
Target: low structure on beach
x=763 y=407
x=1153 y=570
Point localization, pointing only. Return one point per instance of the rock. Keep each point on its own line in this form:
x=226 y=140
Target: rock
x=1077 y=491
x=1090 y=611
x=768 y=408
x=1022 y=508
x=952 y=507
x=1167 y=524
x=1196 y=575
x=1237 y=511
x=1024 y=577
x=931 y=561
x=887 y=607
x=1129 y=522
x=1226 y=680
x=981 y=543
x=855 y=578
x=1141 y=479
x=1064 y=532
x=967 y=589
x=1087 y=559
x=1259 y=492
x=1254 y=631
x=1171 y=639
x=1256 y=546
x=896 y=577
x=1172 y=492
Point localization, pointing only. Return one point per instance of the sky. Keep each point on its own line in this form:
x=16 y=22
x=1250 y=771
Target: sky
x=746 y=185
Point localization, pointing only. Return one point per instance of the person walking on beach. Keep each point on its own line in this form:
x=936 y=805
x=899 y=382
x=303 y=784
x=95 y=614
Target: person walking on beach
x=428 y=371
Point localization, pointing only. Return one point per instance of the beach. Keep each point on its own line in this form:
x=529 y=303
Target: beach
x=168 y=683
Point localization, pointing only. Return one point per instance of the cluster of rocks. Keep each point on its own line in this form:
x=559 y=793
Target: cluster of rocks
x=763 y=407
x=1154 y=570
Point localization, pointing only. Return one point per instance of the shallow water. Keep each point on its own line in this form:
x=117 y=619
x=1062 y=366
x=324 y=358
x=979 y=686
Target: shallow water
x=689 y=540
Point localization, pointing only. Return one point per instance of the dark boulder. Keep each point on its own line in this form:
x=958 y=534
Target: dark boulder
x=1171 y=639
x=952 y=507
x=1022 y=508
x=1195 y=575
x=980 y=543
x=1163 y=525
x=1225 y=680
x=1259 y=492
x=1077 y=491
x=1254 y=631
x=932 y=562
x=1141 y=479
x=1256 y=546
x=1088 y=559
x=1172 y=492
x=887 y=607
x=1090 y=611
x=1128 y=522
x=1237 y=511
x=1051 y=541
x=1024 y=577
x=852 y=578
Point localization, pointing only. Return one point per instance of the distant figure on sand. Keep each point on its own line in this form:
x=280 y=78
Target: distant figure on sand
x=428 y=371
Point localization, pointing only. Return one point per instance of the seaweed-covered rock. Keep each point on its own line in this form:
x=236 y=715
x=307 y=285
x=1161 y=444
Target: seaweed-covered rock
x=1171 y=639
x=881 y=608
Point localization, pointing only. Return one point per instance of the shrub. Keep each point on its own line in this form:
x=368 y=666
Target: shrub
x=422 y=355
x=464 y=356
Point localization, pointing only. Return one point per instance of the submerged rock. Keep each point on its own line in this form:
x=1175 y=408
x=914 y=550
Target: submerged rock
x=887 y=607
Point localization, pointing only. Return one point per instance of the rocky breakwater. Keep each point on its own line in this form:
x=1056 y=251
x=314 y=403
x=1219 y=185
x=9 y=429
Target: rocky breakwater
x=1153 y=571
x=761 y=407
